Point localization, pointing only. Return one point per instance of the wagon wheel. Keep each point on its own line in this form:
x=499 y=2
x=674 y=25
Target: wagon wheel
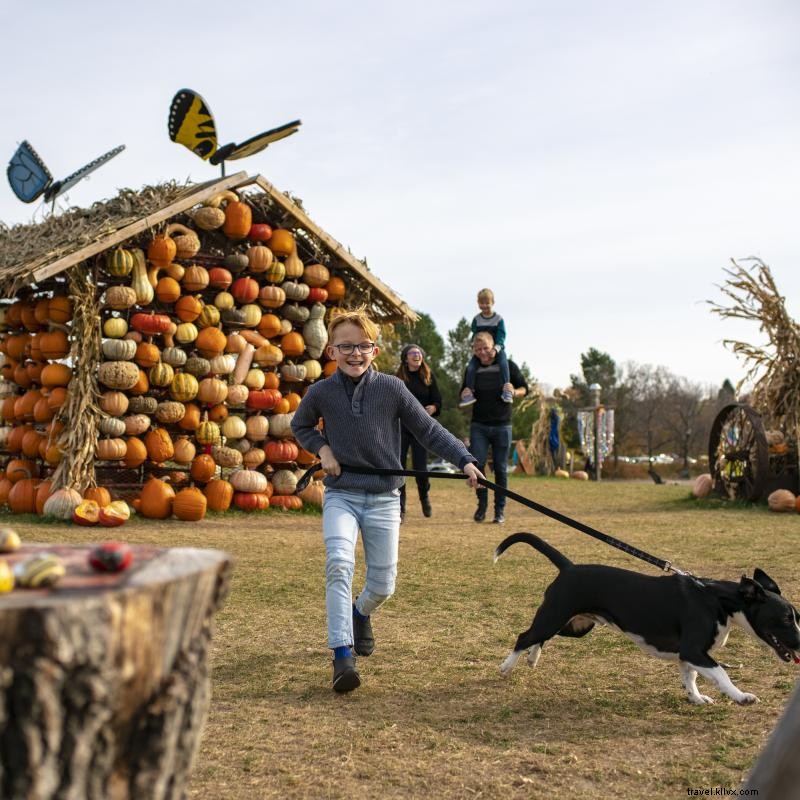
x=738 y=455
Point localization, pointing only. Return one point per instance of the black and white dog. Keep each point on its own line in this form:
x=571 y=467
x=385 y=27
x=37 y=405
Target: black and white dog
x=676 y=617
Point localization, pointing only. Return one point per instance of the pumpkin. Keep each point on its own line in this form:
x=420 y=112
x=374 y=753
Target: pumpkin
x=119 y=262
x=113 y=403
x=260 y=259
x=259 y=232
x=207 y=432
x=191 y=417
x=313 y=370
x=209 y=316
x=271 y=297
x=186 y=332
x=280 y=452
x=150 y=323
x=293 y=344
x=257 y=428
x=161 y=375
x=99 y=494
x=110 y=449
x=203 y=468
x=293 y=373
x=238 y=220
x=156 y=499
x=187 y=242
x=313 y=494
x=174 y=356
x=286 y=502
x=316 y=275
x=208 y=218
x=168 y=290
x=336 y=289
x=111 y=426
x=247 y=480
x=140 y=281
x=284 y=481
x=55 y=375
x=224 y=301
x=62 y=503
x=236 y=262
x=112 y=515
x=161 y=250
x=22 y=496
x=185 y=451
x=276 y=272
x=226 y=456
x=237 y=394
x=195 y=278
x=254 y=457
x=219 y=494
x=219 y=278
x=781 y=500
x=295 y=291
x=142 y=384
x=580 y=475
x=211 y=342
x=120 y=298
x=280 y=425
x=295 y=313
x=188 y=308
x=115 y=327
x=53 y=345
x=189 y=505
x=293 y=399
x=197 y=366
x=119 y=349
x=143 y=405
x=170 y=412
x=183 y=387
x=118 y=374
x=702 y=486
x=159 y=445
x=268 y=355
x=212 y=391
x=251 y=501
x=136 y=424
x=136 y=453
x=263 y=399
x=59 y=309
x=281 y=242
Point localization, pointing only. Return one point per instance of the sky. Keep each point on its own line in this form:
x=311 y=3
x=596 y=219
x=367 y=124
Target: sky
x=596 y=164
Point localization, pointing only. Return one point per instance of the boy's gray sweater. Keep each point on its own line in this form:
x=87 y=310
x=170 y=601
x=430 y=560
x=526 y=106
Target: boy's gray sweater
x=365 y=431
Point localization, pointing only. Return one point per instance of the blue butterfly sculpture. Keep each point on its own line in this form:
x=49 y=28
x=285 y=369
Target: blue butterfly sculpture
x=191 y=124
x=30 y=178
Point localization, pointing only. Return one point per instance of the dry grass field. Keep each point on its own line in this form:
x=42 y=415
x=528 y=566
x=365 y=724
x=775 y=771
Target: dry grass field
x=596 y=718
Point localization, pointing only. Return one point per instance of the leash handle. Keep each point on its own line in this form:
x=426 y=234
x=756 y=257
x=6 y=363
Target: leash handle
x=661 y=563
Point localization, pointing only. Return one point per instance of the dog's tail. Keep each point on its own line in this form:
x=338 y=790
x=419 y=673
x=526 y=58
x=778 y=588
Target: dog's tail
x=559 y=559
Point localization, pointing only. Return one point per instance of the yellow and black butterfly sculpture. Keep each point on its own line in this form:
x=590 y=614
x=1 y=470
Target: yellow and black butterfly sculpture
x=192 y=125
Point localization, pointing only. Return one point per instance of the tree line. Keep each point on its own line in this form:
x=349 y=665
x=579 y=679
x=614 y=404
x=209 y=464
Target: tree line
x=655 y=411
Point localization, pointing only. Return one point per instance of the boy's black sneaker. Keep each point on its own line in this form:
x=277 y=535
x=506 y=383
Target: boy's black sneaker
x=479 y=515
x=345 y=675
x=426 y=506
x=363 y=639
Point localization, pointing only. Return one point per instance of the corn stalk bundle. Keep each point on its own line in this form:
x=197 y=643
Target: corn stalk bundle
x=81 y=412
x=773 y=367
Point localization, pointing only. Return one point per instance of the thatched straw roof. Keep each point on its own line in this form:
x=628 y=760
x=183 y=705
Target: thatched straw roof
x=29 y=254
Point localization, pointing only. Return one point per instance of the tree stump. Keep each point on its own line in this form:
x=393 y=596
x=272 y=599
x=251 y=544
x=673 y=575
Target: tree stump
x=104 y=679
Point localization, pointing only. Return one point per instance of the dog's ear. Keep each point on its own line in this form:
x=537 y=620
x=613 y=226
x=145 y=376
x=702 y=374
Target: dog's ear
x=750 y=590
x=761 y=577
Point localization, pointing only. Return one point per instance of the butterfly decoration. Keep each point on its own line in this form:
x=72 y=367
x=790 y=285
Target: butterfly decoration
x=30 y=178
x=191 y=124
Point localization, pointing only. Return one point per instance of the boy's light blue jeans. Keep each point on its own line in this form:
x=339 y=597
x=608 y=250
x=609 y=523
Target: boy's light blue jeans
x=377 y=516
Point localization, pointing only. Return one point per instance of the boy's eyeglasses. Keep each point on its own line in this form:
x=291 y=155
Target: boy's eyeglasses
x=414 y=354
x=365 y=348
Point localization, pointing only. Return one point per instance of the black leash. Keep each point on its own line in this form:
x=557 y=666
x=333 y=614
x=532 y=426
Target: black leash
x=666 y=566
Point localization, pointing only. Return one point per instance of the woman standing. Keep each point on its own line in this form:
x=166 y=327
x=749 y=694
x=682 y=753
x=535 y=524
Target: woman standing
x=419 y=379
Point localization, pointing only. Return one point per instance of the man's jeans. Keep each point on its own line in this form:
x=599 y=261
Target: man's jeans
x=377 y=516
x=498 y=437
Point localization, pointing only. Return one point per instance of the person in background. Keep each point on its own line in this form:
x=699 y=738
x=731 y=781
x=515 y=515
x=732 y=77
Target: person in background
x=362 y=411
x=421 y=382
x=491 y=421
x=488 y=321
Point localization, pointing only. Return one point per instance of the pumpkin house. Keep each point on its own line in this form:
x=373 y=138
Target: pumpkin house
x=155 y=346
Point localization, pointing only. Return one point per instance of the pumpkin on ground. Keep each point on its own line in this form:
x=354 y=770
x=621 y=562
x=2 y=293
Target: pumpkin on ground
x=189 y=505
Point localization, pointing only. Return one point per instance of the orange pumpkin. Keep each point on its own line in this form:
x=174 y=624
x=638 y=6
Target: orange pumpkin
x=156 y=499
x=136 y=453
x=99 y=494
x=203 y=468
x=281 y=242
x=219 y=494
x=159 y=445
x=238 y=219
x=161 y=250
x=189 y=504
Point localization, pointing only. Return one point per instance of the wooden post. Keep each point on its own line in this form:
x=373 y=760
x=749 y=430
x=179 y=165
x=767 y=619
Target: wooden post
x=776 y=773
x=104 y=681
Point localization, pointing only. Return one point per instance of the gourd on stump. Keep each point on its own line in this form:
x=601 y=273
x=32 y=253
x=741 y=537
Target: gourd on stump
x=104 y=680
